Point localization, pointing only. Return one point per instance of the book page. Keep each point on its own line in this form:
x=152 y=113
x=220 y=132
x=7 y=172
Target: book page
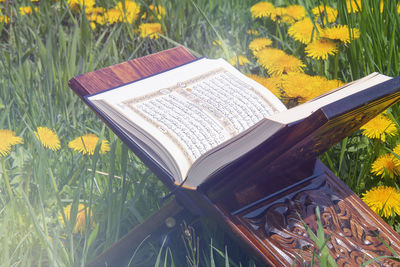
x=194 y=108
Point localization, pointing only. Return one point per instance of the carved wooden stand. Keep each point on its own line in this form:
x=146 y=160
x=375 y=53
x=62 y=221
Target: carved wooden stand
x=262 y=208
x=272 y=224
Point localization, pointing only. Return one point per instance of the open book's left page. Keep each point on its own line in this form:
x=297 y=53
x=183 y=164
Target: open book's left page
x=179 y=115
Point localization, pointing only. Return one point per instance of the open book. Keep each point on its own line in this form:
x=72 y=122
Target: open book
x=199 y=118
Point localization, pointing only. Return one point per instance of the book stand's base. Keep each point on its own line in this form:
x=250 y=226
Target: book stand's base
x=274 y=228
x=277 y=225
x=119 y=253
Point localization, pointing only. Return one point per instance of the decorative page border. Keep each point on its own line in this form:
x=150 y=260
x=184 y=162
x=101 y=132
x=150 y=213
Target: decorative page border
x=180 y=88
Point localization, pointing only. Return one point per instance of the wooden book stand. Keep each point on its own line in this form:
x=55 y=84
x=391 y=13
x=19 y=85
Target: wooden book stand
x=262 y=209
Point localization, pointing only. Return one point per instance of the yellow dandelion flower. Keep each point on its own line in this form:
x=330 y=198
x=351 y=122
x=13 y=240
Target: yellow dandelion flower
x=396 y=150
x=96 y=10
x=295 y=13
x=253 y=32
x=386 y=163
x=239 y=59
x=80 y=223
x=304 y=30
x=379 y=127
x=94 y=13
x=272 y=84
x=289 y=14
x=259 y=43
x=78 y=5
x=277 y=62
x=216 y=43
x=333 y=84
x=321 y=49
x=398 y=8
x=92 y=17
x=158 y=10
x=325 y=12
x=101 y=20
x=112 y=16
x=353 y=6
x=303 y=93
x=27 y=10
x=4 y=19
x=280 y=15
x=256 y=78
x=8 y=139
x=150 y=29
x=129 y=10
x=87 y=144
x=262 y=9
x=269 y=52
x=300 y=87
x=341 y=33
x=48 y=138
x=381 y=6
x=383 y=200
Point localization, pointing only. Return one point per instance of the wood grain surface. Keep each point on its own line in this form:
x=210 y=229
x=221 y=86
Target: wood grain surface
x=118 y=253
x=126 y=72
x=275 y=227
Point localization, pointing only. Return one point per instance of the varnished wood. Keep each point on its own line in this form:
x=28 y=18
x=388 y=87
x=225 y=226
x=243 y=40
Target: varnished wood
x=267 y=184
x=118 y=253
x=274 y=227
x=256 y=200
x=126 y=72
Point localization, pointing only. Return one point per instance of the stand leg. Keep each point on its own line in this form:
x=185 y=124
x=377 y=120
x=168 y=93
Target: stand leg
x=118 y=252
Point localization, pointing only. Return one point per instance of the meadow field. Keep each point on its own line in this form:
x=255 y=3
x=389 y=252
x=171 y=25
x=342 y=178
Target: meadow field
x=69 y=188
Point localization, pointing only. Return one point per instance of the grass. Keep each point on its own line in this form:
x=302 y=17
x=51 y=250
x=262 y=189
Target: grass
x=40 y=52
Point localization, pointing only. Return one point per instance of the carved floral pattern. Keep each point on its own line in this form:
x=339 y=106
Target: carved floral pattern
x=353 y=237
